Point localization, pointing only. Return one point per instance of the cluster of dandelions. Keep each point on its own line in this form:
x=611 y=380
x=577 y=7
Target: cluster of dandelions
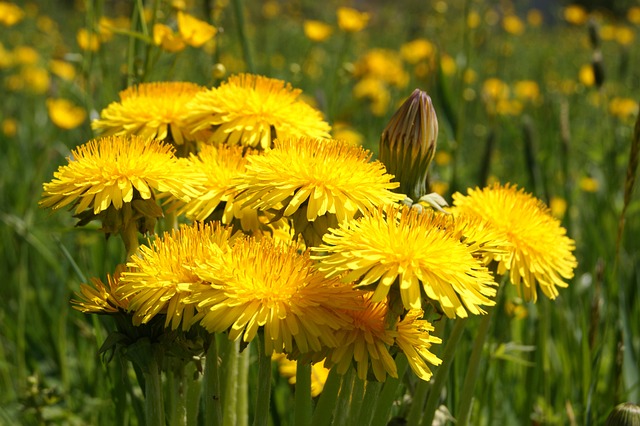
x=291 y=237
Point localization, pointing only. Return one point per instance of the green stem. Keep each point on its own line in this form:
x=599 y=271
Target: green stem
x=464 y=409
x=357 y=399
x=369 y=402
x=439 y=378
x=326 y=404
x=264 y=384
x=302 y=406
x=243 y=388
x=242 y=34
x=211 y=383
x=153 y=399
x=389 y=392
x=177 y=399
x=343 y=403
x=230 y=400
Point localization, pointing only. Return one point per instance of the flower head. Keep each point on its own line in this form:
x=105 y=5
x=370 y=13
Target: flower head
x=151 y=111
x=167 y=39
x=268 y=285
x=316 y=30
x=65 y=114
x=162 y=275
x=110 y=171
x=415 y=250
x=351 y=20
x=317 y=182
x=99 y=298
x=251 y=110
x=319 y=373
x=414 y=340
x=194 y=31
x=539 y=250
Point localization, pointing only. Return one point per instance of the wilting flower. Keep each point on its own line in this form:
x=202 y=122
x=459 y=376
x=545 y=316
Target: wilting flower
x=351 y=20
x=401 y=248
x=316 y=30
x=319 y=373
x=98 y=298
x=151 y=111
x=167 y=39
x=540 y=250
x=252 y=110
x=161 y=276
x=408 y=144
x=317 y=182
x=194 y=31
x=414 y=340
x=65 y=114
x=270 y=285
x=110 y=170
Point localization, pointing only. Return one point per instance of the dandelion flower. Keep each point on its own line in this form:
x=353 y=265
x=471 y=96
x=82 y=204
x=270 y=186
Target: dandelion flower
x=319 y=373
x=194 y=31
x=109 y=171
x=351 y=20
x=99 y=298
x=151 y=111
x=317 y=182
x=414 y=340
x=251 y=110
x=540 y=250
x=161 y=276
x=65 y=114
x=269 y=285
x=316 y=30
x=167 y=39
x=400 y=245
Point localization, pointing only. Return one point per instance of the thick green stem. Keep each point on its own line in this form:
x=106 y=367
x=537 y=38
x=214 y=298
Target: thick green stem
x=464 y=409
x=242 y=34
x=243 y=388
x=389 y=392
x=177 y=398
x=211 y=383
x=369 y=402
x=302 y=406
x=264 y=385
x=230 y=400
x=153 y=398
x=326 y=405
x=442 y=372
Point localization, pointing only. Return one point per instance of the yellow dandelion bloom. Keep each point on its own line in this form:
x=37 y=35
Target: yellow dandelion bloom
x=316 y=181
x=623 y=107
x=376 y=91
x=417 y=50
x=586 y=75
x=167 y=39
x=382 y=64
x=65 y=114
x=319 y=373
x=88 y=40
x=98 y=298
x=473 y=19
x=366 y=342
x=633 y=15
x=575 y=14
x=151 y=111
x=10 y=14
x=448 y=64
x=625 y=35
x=262 y=283
x=62 y=69
x=222 y=165
x=351 y=20
x=527 y=90
x=414 y=340
x=513 y=25
x=402 y=248
x=251 y=110
x=161 y=276
x=316 y=30
x=588 y=184
x=108 y=171
x=558 y=207
x=194 y=31
x=540 y=250
x=26 y=55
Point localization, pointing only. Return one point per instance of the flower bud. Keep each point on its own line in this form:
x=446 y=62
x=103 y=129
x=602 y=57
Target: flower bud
x=626 y=414
x=408 y=144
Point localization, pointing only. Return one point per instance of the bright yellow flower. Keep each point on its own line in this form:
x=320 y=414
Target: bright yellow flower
x=351 y=20
x=382 y=64
x=575 y=14
x=10 y=14
x=252 y=110
x=586 y=76
x=589 y=184
x=26 y=55
x=417 y=50
x=558 y=207
x=109 y=171
x=318 y=183
x=316 y=30
x=527 y=90
x=494 y=89
x=98 y=298
x=474 y=19
x=403 y=249
x=273 y=286
x=62 y=69
x=625 y=36
x=36 y=79
x=448 y=64
x=540 y=250
x=414 y=340
x=513 y=25
x=375 y=90
x=161 y=276
x=167 y=39
x=65 y=114
x=194 y=31
x=152 y=111
x=319 y=373
x=633 y=15
x=105 y=29
x=623 y=107
x=88 y=40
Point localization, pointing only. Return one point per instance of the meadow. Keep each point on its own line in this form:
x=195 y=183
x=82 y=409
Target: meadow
x=546 y=100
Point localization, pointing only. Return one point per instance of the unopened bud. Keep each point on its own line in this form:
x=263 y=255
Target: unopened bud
x=408 y=144
x=626 y=414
